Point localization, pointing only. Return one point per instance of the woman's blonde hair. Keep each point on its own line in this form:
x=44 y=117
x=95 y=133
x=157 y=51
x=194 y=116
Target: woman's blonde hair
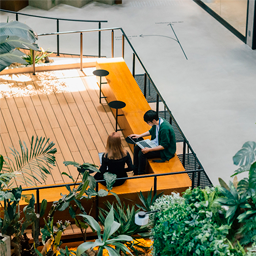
x=114 y=147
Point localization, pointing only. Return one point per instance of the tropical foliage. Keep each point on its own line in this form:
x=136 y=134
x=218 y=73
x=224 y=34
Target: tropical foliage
x=15 y=35
x=104 y=241
x=185 y=226
x=33 y=162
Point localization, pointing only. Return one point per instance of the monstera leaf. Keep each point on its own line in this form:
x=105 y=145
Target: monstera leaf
x=245 y=157
x=15 y=35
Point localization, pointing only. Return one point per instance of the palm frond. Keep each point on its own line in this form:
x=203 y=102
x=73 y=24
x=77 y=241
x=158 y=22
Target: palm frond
x=33 y=162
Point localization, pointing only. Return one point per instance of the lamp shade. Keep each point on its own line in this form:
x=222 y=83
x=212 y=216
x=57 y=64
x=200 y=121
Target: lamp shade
x=141 y=218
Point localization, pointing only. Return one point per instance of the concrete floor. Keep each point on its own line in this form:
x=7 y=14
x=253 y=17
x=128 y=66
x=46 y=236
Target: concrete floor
x=211 y=94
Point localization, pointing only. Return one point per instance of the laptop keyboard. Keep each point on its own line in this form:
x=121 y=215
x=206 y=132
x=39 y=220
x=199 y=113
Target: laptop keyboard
x=144 y=144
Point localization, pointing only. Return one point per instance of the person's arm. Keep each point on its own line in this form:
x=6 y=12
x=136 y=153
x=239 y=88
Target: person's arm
x=103 y=167
x=136 y=136
x=157 y=148
x=129 y=162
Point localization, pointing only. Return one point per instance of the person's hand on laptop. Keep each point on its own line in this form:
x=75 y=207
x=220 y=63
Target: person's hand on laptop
x=145 y=150
x=134 y=136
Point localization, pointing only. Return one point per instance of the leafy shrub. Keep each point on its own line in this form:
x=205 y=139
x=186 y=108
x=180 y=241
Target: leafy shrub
x=187 y=226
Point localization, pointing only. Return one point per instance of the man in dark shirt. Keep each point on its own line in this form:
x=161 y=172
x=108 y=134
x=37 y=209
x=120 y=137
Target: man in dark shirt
x=162 y=134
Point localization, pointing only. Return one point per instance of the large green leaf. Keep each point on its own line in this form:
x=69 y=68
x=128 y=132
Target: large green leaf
x=111 y=251
x=12 y=42
x=247 y=186
x=93 y=223
x=120 y=238
x=246 y=155
x=109 y=222
x=19 y=29
x=33 y=162
x=15 y=35
x=87 y=245
x=110 y=179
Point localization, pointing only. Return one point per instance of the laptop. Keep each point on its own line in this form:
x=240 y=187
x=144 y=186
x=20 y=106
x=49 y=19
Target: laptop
x=144 y=143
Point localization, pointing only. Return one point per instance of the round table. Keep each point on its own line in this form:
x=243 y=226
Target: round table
x=101 y=73
x=117 y=104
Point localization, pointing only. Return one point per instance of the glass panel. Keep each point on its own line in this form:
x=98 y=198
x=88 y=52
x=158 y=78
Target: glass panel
x=233 y=11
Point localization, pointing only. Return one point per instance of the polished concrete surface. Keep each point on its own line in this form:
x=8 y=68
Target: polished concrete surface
x=211 y=93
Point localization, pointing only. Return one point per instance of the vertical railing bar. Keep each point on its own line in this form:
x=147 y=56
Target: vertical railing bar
x=149 y=90
x=145 y=85
x=58 y=38
x=112 y=44
x=193 y=180
x=97 y=202
x=184 y=152
x=198 y=178
x=133 y=64
x=195 y=163
x=99 y=43
x=81 y=51
x=34 y=63
x=155 y=185
x=123 y=45
x=157 y=103
x=37 y=201
x=170 y=119
x=17 y=16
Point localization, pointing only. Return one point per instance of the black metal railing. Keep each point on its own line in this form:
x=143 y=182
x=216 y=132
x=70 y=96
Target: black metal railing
x=58 y=25
x=195 y=176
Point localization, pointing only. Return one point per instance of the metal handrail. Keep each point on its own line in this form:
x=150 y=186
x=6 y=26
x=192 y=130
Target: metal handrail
x=124 y=178
x=78 y=31
x=58 y=25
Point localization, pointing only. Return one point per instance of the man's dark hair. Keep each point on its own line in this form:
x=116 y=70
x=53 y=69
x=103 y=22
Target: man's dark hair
x=150 y=115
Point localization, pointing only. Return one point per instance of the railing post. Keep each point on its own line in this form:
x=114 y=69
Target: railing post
x=170 y=119
x=198 y=178
x=193 y=180
x=155 y=185
x=157 y=103
x=112 y=43
x=184 y=152
x=34 y=64
x=99 y=40
x=97 y=202
x=17 y=16
x=123 y=46
x=58 y=38
x=133 y=64
x=145 y=85
x=81 y=51
x=37 y=201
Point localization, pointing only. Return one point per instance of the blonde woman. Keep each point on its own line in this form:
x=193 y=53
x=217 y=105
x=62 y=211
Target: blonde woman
x=114 y=159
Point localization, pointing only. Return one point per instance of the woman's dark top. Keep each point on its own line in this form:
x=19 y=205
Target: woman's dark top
x=115 y=167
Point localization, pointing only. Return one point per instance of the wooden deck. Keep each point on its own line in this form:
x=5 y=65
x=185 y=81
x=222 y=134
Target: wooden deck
x=60 y=105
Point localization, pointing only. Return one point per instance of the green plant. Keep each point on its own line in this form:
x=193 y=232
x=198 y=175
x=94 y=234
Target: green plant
x=148 y=200
x=104 y=241
x=86 y=190
x=13 y=225
x=185 y=226
x=38 y=57
x=51 y=236
x=125 y=216
x=15 y=35
x=33 y=162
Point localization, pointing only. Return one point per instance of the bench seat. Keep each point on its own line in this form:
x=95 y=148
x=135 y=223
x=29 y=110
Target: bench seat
x=122 y=86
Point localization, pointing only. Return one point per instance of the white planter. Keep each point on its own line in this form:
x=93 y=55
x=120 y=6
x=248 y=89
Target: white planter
x=5 y=247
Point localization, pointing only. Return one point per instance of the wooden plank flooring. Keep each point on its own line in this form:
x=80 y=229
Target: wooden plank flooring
x=61 y=105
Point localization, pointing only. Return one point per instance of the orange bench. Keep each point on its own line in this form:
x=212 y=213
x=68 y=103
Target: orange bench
x=122 y=86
